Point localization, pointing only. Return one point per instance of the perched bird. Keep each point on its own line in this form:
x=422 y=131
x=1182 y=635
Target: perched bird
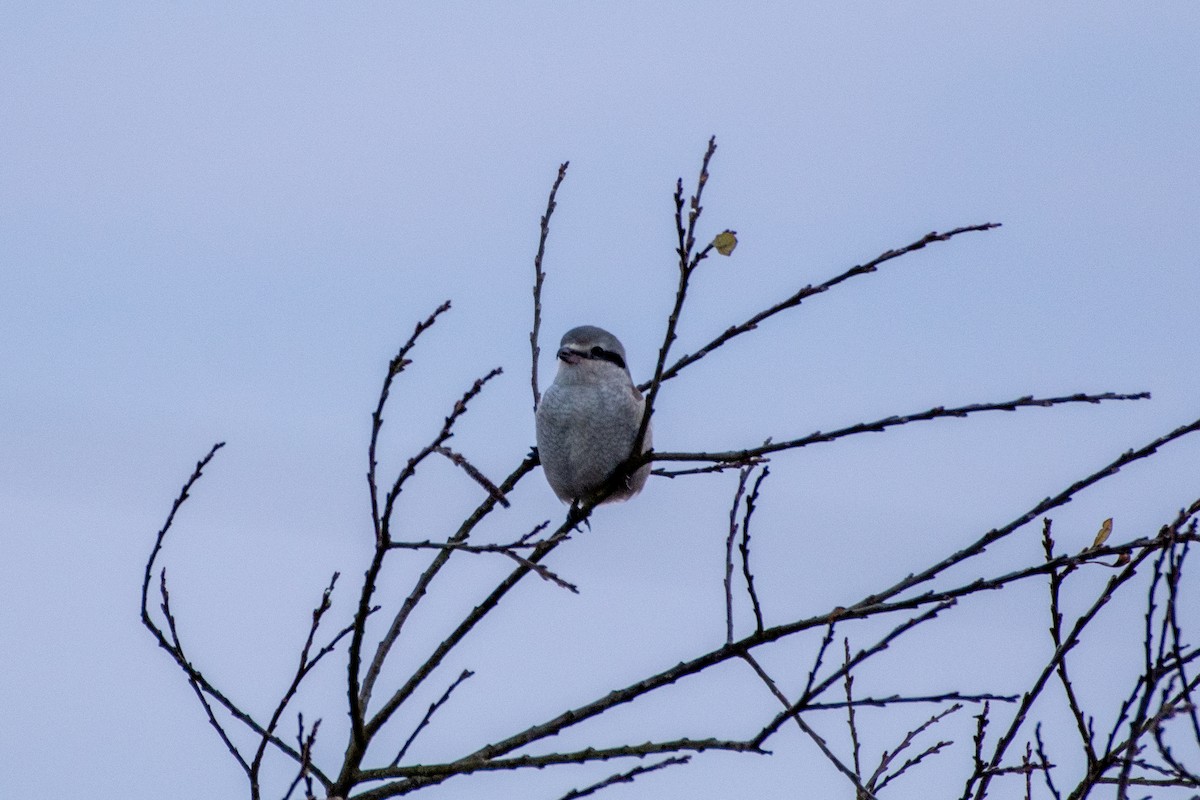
x=589 y=417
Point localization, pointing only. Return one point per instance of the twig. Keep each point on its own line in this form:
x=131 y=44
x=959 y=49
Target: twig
x=521 y=544
x=744 y=548
x=816 y=667
x=464 y=531
x=625 y=777
x=197 y=688
x=881 y=777
x=184 y=494
x=792 y=712
x=1056 y=580
x=305 y=666
x=1046 y=765
x=542 y=571
x=355 y=700
x=433 y=707
x=848 y=684
x=689 y=259
x=895 y=699
x=994 y=535
x=1167 y=657
x=981 y=724
x=1154 y=669
x=355 y=753
x=477 y=762
x=204 y=688
x=808 y=291
x=460 y=408
x=1060 y=652
x=743 y=476
x=1118 y=753
x=363 y=696
x=539 y=278
x=1171 y=617
x=863 y=655
x=477 y=476
x=306 y=745
x=395 y=367
x=723 y=466
x=890 y=422
x=576 y=715
x=422 y=672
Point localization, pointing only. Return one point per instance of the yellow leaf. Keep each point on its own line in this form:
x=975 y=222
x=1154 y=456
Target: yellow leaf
x=725 y=242
x=1103 y=534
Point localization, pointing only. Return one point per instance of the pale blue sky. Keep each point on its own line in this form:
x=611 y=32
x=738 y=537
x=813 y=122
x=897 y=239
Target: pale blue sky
x=218 y=222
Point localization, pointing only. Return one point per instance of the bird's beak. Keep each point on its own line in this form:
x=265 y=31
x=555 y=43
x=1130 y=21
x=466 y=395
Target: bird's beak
x=569 y=356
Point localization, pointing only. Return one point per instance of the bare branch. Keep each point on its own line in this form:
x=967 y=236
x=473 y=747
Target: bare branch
x=736 y=649
x=510 y=550
x=1141 y=750
x=304 y=667
x=743 y=476
x=427 y=773
x=792 y=712
x=744 y=548
x=723 y=466
x=433 y=707
x=539 y=278
x=202 y=686
x=625 y=777
x=1056 y=580
x=198 y=688
x=1060 y=652
x=378 y=520
x=882 y=777
x=464 y=531
x=848 y=684
x=357 y=749
x=863 y=655
x=688 y=261
x=395 y=367
x=1045 y=762
x=467 y=624
x=363 y=696
x=1063 y=497
x=891 y=422
x=184 y=494
x=816 y=667
x=808 y=291
x=895 y=699
x=477 y=476
x=981 y=724
x=523 y=543
x=444 y=434
x=304 y=774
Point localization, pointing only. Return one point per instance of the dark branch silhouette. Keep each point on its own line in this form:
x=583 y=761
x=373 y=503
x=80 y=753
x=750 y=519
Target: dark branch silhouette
x=1153 y=741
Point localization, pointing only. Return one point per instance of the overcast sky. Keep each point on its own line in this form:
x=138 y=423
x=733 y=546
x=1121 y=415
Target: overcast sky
x=218 y=222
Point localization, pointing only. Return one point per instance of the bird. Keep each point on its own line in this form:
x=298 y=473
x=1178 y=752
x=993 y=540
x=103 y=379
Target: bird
x=589 y=417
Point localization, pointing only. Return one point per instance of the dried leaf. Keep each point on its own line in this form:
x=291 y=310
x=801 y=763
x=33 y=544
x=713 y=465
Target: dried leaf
x=1103 y=534
x=725 y=242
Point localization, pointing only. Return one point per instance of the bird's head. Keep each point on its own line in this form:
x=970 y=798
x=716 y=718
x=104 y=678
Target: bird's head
x=590 y=351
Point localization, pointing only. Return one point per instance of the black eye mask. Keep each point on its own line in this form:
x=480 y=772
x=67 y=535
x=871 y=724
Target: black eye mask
x=599 y=352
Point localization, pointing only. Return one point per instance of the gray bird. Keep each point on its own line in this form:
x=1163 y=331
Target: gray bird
x=589 y=417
